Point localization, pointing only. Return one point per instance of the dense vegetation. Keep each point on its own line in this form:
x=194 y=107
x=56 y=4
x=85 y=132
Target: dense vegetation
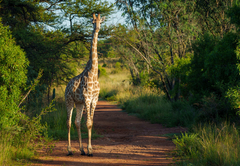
x=38 y=51
x=176 y=63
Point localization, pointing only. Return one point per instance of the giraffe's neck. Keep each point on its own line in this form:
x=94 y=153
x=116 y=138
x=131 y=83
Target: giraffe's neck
x=93 y=53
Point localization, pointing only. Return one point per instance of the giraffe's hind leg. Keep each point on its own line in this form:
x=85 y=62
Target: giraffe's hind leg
x=69 y=104
x=79 y=108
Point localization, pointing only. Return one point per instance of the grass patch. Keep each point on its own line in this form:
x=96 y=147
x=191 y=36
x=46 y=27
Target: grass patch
x=209 y=145
x=153 y=106
x=147 y=104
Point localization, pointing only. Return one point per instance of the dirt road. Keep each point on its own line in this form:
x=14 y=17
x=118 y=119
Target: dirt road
x=126 y=140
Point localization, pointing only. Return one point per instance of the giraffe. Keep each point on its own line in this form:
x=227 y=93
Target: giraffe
x=83 y=91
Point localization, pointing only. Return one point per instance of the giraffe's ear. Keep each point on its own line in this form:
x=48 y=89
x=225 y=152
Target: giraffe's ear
x=102 y=19
x=93 y=20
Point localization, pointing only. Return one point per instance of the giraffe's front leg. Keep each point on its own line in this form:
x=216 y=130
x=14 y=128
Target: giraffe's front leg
x=89 y=127
x=92 y=109
x=79 y=109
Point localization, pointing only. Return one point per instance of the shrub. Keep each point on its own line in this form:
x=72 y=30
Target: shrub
x=187 y=145
x=117 y=68
x=13 y=70
x=101 y=71
x=118 y=65
x=214 y=109
x=213 y=67
x=17 y=131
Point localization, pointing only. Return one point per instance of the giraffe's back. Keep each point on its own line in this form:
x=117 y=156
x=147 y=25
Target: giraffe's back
x=82 y=87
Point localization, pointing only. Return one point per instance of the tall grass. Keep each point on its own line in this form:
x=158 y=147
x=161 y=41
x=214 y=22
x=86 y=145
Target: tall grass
x=148 y=104
x=115 y=86
x=19 y=142
x=210 y=145
x=5 y=147
x=154 y=107
x=13 y=153
x=57 y=123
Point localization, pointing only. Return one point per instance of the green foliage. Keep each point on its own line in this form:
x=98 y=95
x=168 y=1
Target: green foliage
x=104 y=65
x=210 y=145
x=214 y=110
x=213 y=18
x=180 y=69
x=118 y=65
x=234 y=14
x=187 y=145
x=109 y=95
x=157 y=40
x=213 y=66
x=233 y=94
x=102 y=71
x=117 y=68
x=13 y=69
x=18 y=142
x=18 y=132
x=49 y=44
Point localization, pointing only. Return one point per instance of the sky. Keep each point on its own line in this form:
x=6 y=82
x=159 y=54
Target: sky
x=116 y=18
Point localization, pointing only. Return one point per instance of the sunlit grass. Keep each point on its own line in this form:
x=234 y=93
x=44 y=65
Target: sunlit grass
x=115 y=86
x=5 y=147
x=210 y=145
x=13 y=153
x=146 y=103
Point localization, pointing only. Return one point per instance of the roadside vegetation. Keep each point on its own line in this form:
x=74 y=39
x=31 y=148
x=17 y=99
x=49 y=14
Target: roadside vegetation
x=213 y=137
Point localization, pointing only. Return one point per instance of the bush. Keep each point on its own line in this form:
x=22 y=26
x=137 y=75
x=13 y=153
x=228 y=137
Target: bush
x=213 y=67
x=117 y=68
x=17 y=131
x=187 y=145
x=101 y=71
x=13 y=70
x=214 y=109
x=118 y=65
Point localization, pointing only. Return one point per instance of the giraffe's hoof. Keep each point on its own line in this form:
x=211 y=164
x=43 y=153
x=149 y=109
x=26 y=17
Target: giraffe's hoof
x=90 y=155
x=83 y=153
x=69 y=154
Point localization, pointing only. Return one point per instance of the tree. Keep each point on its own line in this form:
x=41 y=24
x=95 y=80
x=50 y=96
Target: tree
x=164 y=31
x=49 y=45
x=213 y=18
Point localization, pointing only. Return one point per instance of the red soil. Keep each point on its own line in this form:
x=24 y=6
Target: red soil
x=126 y=140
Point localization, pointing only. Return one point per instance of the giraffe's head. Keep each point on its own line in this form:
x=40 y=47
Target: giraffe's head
x=97 y=22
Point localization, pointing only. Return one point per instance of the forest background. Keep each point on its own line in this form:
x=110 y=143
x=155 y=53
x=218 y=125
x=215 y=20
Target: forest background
x=181 y=56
